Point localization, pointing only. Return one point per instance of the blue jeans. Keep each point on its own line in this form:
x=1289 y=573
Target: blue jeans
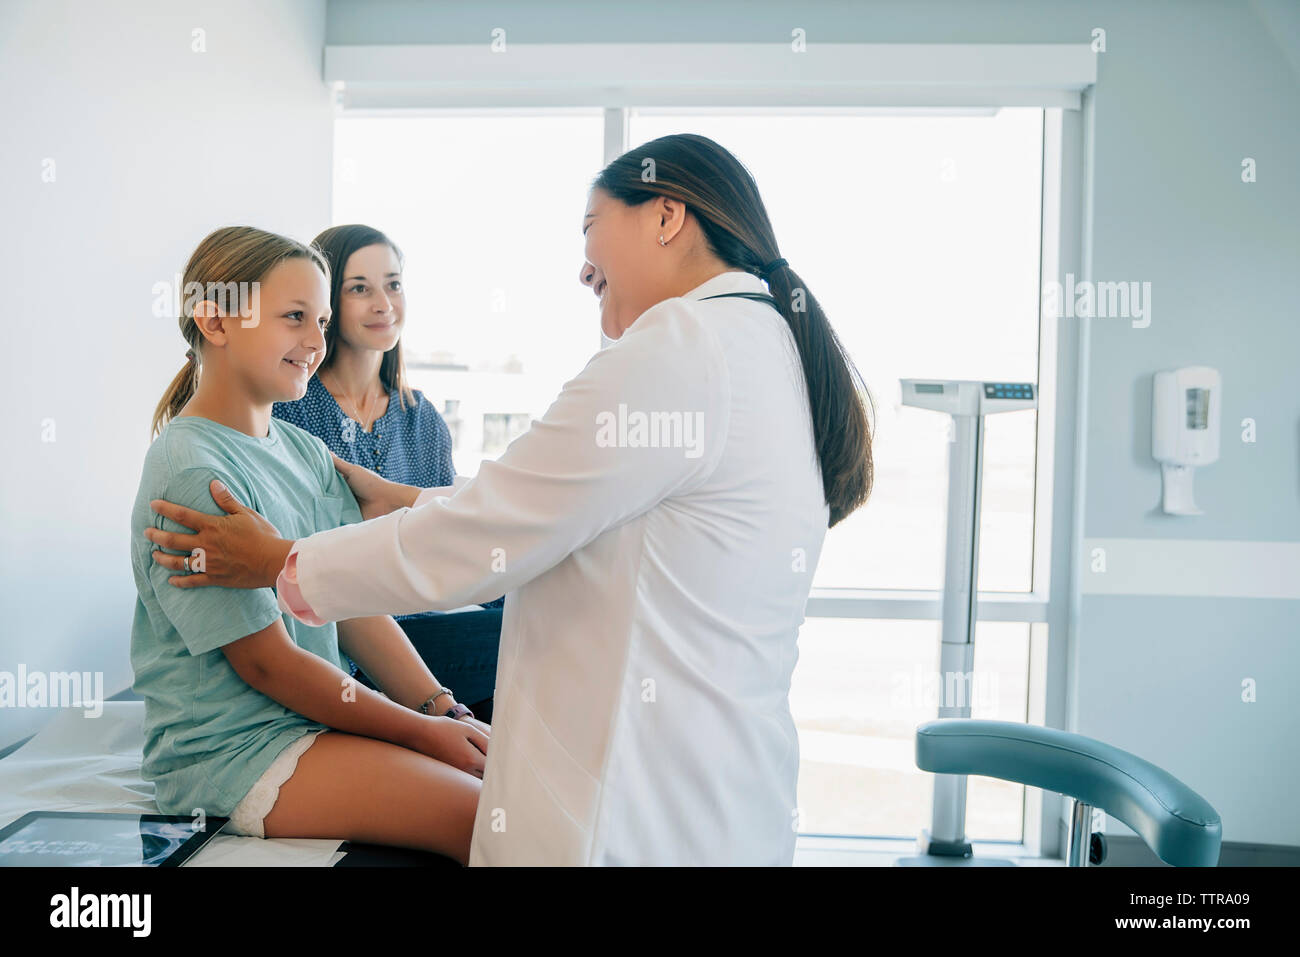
x=461 y=651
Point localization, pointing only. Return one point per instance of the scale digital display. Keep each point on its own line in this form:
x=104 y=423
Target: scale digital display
x=1008 y=390
x=930 y=388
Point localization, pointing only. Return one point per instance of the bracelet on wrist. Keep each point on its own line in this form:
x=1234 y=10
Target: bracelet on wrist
x=424 y=708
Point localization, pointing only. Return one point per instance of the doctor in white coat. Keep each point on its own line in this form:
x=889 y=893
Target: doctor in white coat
x=656 y=534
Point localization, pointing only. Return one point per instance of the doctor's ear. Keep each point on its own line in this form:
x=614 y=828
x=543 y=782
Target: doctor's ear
x=671 y=214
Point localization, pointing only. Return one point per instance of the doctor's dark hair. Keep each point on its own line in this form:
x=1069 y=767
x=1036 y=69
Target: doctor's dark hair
x=226 y=258
x=338 y=243
x=722 y=195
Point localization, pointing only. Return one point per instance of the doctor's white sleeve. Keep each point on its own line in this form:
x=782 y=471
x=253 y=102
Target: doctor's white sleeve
x=646 y=419
x=429 y=494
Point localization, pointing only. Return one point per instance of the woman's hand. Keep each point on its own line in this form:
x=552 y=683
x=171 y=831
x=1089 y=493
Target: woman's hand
x=374 y=493
x=238 y=550
x=476 y=723
x=457 y=743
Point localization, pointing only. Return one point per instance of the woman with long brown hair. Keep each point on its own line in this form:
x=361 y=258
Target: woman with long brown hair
x=361 y=405
x=656 y=531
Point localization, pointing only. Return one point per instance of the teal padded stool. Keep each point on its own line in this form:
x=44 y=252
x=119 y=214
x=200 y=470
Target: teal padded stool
x=1178 y=824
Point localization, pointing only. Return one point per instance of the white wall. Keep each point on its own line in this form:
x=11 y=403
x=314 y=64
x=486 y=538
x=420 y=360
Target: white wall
x=153 y=145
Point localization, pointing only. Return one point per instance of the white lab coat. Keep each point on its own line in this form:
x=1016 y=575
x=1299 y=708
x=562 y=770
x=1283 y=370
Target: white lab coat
x=654 y=594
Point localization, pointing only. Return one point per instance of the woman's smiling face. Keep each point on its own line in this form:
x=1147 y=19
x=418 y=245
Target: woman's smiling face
x=372 y=301
x=617 y=241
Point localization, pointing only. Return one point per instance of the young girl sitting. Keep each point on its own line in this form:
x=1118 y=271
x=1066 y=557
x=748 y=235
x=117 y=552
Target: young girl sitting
x=248 y=712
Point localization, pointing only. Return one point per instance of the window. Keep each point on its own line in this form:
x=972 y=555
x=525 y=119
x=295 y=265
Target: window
x=939 y=278
x=502 y=428
x=487 y=210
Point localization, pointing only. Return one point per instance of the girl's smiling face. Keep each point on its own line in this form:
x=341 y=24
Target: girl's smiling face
x=372 y=301
x=283 y=343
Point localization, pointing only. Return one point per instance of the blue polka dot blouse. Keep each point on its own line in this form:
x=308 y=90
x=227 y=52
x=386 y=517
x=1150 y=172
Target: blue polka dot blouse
x=411 y=445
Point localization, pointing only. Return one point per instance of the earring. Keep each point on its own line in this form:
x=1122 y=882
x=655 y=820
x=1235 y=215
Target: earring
x=661 y=240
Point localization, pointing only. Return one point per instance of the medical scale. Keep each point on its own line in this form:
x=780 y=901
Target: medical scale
x=966 y=402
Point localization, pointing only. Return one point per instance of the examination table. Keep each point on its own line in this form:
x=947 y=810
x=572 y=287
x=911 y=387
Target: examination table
x=80 y=763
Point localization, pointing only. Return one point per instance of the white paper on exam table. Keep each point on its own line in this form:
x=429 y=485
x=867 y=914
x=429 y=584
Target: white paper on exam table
x=83 y=763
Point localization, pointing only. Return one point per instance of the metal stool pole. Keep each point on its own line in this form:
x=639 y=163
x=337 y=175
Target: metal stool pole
x=1076 y=854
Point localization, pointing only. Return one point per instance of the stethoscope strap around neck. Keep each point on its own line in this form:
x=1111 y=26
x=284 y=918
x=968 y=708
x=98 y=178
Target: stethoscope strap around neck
x=757 y=296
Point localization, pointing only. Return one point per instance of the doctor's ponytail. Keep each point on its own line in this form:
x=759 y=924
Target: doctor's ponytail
x=724 y=198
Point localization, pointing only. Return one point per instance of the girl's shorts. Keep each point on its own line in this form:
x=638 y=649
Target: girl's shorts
x=246 y=819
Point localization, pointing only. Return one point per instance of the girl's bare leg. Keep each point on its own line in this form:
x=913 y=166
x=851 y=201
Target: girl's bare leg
x=361 y=789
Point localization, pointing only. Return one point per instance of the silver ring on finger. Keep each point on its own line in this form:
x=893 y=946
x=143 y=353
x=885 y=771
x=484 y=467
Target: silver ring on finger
x=187 y=564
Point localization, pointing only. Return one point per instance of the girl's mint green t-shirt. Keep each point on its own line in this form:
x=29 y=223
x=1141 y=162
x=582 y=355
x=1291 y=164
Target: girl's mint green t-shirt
x=208 y=734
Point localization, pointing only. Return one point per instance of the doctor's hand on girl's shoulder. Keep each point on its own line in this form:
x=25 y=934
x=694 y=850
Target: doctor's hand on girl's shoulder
x=453 y=742
x=375 y=494
x=240 y=549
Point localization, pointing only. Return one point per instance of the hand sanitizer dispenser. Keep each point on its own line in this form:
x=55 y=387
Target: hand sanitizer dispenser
x=1185 y=409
